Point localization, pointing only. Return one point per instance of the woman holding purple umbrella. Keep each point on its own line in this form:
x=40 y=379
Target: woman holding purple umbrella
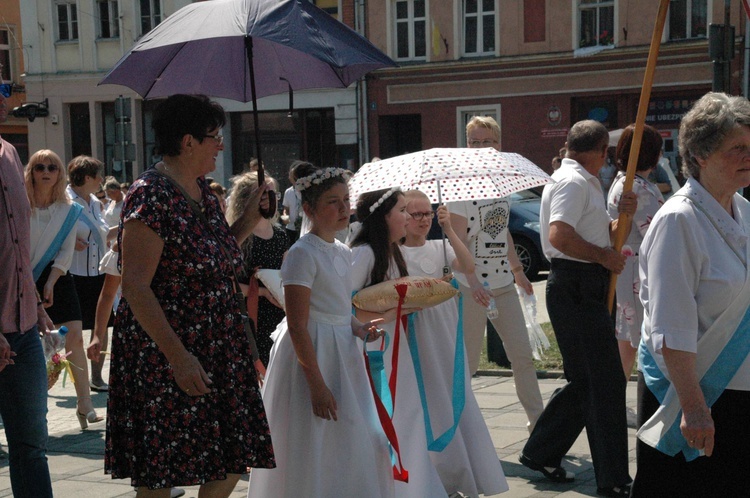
x=185 y=407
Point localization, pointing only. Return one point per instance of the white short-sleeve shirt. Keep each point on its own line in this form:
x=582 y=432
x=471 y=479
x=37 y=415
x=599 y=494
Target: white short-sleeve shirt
x=689 y=273
x=487 y=235
x=575 y=199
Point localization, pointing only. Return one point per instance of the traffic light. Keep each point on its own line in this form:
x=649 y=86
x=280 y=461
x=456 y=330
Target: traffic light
x=31 y=110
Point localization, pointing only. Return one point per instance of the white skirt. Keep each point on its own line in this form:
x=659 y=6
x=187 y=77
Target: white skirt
x=314 y=456
x=469 y=464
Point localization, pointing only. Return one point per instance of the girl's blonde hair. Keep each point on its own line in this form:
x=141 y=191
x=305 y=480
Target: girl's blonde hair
x=242 y=186
x=46 y=156
x=413 y=195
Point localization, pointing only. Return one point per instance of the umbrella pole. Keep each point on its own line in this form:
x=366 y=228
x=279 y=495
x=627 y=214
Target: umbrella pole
x=446 y=267
x=625 y=220
x=256 y=120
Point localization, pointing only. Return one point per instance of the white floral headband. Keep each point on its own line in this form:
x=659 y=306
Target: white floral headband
x=383 y=198
x=317 y=178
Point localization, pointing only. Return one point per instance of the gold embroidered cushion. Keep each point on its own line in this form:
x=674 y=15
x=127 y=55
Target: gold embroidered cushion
x=421 y=292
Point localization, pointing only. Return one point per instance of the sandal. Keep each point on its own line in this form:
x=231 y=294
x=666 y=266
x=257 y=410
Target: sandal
x=554 y=474
x=99 y=388
x=615 y=491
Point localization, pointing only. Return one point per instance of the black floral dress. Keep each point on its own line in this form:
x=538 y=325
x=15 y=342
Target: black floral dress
x=156 y=434
x=267 y=254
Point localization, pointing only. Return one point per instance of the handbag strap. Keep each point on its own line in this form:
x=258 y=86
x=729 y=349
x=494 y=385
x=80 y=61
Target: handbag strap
x=238 y=295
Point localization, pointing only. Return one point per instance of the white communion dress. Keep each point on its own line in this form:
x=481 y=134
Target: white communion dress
x=317 y=457
x=408 y=419
x=469 y=463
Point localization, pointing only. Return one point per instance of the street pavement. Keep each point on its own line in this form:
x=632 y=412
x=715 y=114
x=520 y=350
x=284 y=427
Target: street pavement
x=76 y=457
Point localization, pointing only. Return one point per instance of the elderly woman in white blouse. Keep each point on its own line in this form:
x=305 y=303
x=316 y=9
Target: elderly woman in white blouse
x=694 y=378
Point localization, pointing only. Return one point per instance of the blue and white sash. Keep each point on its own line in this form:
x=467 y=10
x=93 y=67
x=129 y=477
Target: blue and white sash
x=92 y=225
x=70 y=221
x=458 y=395
x=721 y=351
x=713 y=383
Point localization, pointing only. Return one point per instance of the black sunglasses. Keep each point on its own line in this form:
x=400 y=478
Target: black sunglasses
x=6 y=90
x=39 y=168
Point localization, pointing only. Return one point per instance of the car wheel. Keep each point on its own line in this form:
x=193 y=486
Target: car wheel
x=528 y=255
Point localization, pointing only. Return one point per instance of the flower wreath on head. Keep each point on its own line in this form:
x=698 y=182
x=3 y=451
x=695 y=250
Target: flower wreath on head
x=383 y=198
x=318 y=177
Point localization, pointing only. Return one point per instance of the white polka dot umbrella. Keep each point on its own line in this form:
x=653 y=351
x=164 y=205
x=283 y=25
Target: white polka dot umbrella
x=463 y=174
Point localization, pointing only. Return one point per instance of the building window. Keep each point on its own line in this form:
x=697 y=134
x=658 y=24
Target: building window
x=596 y=23
x=330 y=6
x=5 y=67
x=479 y=27
x=411 y=29
x=150 y=15
x=109 y=26
x=688 y=19
x=67 y=21
x=80 y=129
x=534 y=21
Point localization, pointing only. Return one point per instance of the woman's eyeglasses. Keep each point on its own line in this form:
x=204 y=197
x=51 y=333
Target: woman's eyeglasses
x=6 y=90
x=419 y=215
x=40 y=168
x=219 y=138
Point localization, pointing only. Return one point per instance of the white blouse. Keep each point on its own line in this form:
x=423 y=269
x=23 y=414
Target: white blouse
x=86 y=262
x=689 y=273
x=45 y=225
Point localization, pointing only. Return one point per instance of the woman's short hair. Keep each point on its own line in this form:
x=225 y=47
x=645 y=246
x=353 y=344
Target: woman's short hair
x=648 y=156
x=46 y=156
x=242 y=186
x=706 y=125
x=181 y=115
x=81 y=167
x=484 y=122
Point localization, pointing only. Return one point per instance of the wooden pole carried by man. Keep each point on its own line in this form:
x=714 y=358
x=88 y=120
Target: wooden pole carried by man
x=624 y=219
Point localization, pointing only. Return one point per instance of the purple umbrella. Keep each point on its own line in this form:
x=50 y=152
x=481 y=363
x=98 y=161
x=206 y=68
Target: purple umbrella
x=246 y=49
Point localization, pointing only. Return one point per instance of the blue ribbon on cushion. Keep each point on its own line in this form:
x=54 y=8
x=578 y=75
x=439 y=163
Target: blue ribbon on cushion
x=713 y=383
x=458 y=395
x=70 y=220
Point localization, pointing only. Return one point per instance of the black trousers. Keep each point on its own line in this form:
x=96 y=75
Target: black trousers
x=724 y=473
x=594 y=396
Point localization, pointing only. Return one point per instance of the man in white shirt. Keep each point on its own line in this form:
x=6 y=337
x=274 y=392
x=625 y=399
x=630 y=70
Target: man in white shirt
x=576 y=234
x=113 y=209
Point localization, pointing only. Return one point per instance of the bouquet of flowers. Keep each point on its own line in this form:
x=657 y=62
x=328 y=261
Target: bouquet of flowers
x=55 y=366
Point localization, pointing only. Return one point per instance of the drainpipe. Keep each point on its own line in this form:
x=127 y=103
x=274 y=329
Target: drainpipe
x=360 y=26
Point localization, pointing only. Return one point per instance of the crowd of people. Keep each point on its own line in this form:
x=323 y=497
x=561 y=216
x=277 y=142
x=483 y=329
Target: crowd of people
x=214 y=375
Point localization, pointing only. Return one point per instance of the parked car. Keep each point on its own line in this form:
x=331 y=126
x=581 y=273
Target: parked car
x=524 y=227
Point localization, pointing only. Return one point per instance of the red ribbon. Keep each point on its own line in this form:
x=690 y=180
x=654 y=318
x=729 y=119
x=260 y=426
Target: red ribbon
x=399 y=472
